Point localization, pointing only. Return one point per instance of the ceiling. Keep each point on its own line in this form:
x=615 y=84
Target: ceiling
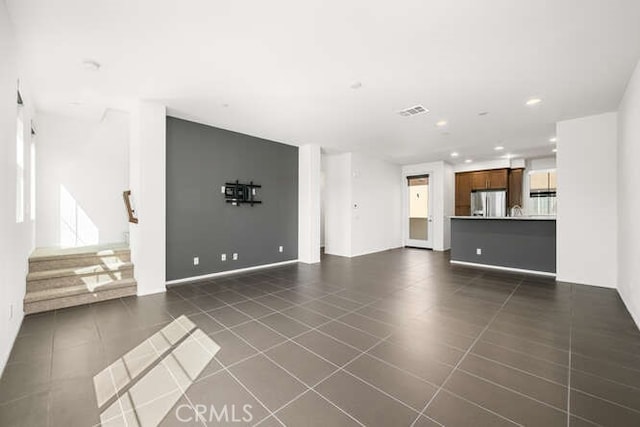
x=286 y=69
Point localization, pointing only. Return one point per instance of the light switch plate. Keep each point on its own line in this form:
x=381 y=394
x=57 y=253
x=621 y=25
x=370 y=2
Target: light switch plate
x=478 y=251
x=223 y=257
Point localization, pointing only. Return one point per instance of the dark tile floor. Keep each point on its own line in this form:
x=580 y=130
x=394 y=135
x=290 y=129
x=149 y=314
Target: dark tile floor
x=397 y=338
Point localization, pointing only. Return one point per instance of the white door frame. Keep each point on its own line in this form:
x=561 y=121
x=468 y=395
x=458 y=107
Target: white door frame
x=406 y=241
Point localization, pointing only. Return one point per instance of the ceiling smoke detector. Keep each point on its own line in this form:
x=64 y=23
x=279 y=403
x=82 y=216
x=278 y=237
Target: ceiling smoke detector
x=412 y=111
x=91 y=65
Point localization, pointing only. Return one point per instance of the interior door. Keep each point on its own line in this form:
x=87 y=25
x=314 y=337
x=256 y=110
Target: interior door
x=420 y=221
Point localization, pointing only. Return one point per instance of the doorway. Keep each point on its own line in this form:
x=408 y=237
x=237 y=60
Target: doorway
x=420 y=222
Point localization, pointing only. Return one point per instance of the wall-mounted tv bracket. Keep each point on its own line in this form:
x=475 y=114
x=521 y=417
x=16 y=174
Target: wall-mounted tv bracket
x=237 y=194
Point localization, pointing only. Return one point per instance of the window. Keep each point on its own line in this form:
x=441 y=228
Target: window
x=542 y=192
x=20 y=163
x=32 y=178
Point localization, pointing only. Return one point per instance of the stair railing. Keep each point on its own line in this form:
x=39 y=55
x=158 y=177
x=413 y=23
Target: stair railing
x=130 y=211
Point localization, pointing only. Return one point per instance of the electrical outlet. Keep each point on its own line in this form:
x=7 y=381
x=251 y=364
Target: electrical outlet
x=196 y=260
x=478 y=251
x=222 y=189
x=280 y=249
x=235 y=256
x=223 y=257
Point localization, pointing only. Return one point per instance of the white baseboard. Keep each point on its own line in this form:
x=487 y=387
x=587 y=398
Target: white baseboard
x=510 y=269
x=631 y=308
x=5 y=357
x=228 y=272
x=375 y=251
x=153 y=292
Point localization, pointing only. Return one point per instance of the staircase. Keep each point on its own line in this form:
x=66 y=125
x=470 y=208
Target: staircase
x=60 y=278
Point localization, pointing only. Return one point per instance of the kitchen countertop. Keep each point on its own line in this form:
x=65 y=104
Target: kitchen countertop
x=509 y=218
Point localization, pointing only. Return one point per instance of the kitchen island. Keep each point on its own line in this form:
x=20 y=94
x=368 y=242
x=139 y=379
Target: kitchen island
x=521 y=244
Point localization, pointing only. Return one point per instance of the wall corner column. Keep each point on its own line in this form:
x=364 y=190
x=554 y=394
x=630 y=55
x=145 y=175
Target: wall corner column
x=147 y=175
x=309 y=159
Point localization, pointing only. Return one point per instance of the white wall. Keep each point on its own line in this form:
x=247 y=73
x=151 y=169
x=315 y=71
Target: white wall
x=479 y=166
x=148 y=167
x=362 y=205
x=309 y=204
x=449 y=203
x=16 y=239
x=83 y=168
x=543 y=163
x=441 y=184
x=629 y=196
x=322 y=196
x=376 y=199
x=337 y=204
x=587 y=203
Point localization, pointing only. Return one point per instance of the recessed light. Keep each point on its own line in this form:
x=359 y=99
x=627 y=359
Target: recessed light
x=553 y=139
x=483 y=113
x=90 y=65
x=356 y=85
x=555 y=150
x=499 y=148
x=225 y=105
x=468 y=161
x=441 y=123
x=533 y=101
x=455 y=154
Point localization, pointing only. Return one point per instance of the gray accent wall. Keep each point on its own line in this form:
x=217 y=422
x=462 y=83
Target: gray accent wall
x=200 y=159
x=524 y=244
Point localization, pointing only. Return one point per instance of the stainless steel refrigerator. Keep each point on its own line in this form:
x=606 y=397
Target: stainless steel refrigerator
x=490 y=203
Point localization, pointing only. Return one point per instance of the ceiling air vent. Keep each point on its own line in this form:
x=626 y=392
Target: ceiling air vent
x=412 y=111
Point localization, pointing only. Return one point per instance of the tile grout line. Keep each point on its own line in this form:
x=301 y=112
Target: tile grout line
x=275 y=293
x=497 y=362
x=161 y=362
x=514 y=391
x=366 y=352
x=380 y=340
x=345 y=314
x=262 y=352
x=571 y=301
x=336 y=293
x=339 y=368
x=467 y=352
x=224 y=368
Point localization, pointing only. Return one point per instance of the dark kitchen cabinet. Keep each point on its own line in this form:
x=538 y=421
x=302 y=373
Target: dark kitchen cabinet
x=515 y=187
x=479 y=180
x=463 y=194
x=498 y=179
x=489 y=180
x=495 y=179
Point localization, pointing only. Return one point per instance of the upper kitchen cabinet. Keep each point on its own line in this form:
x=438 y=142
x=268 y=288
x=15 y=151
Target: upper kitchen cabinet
x=479 y=180
x=496 y=179
x=463 y=194
x=539 y=181
x=553 y=180
x=515 y=187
